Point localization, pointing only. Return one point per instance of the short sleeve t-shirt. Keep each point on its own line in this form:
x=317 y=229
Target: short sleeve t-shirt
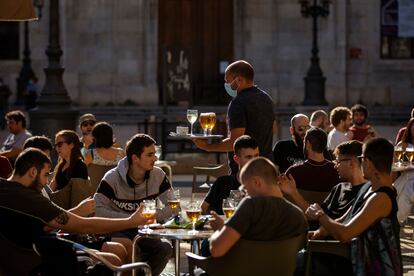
x=16 y=141
x=251 y=106
x=221 y=190
x=286 y=153
x=268 y=218
x=26 y=212
x=335 y=137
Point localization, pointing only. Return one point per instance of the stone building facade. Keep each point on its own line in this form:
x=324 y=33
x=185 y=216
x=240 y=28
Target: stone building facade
x=111 y=51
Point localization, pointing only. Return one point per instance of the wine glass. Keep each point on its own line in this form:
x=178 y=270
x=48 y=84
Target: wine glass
x=193 y=211
x=192 y=115
x=398 y=154
x=148 y=212
x=174 y=200
x=228 y=207
x=236 y=196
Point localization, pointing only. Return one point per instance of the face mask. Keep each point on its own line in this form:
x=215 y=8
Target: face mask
x=232 y=92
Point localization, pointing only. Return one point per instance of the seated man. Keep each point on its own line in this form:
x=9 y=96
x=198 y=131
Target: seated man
x=316 y=173
x=16 y=123
x=30 y=215
x=245 y=148
x=342 y=195
x=123 y=189
x=372 y=220
x=264 y=215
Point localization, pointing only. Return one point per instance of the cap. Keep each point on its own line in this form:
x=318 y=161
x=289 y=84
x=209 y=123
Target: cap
x=87 y=117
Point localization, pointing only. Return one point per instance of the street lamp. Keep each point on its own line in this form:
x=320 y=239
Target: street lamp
x=314 y=80
x=53 y=111
x=26 y=72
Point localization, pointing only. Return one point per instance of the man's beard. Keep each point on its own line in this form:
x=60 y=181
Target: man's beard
x=359 y=123
x=298 y=140
x=36 y=185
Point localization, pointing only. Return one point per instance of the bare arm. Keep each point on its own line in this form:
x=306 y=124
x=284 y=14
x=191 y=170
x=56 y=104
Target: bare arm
x=223 y=240
x=377 y=207
x=225 y=145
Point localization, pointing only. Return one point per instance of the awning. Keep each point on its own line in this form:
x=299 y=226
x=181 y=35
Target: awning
x=17 y=10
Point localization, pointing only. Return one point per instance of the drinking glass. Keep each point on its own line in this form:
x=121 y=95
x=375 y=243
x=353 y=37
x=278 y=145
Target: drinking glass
x=398 y=154
x=236 y=196
x=174 y=200
x=193 y=211
x=158 y=152
x=204 y=122
x=192 y=115
x=212 y=122
x=228 y=207
x=409 y=153
x=148 y=212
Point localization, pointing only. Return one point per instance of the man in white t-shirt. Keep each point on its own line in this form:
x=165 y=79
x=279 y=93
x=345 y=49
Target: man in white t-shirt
x=341 y=120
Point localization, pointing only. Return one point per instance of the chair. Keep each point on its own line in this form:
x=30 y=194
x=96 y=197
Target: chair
x=312 y=196
x=96 y=173
x=74 y=192
x=59 y=257
x=215 y=171
x=325 y=246
x=248 y=257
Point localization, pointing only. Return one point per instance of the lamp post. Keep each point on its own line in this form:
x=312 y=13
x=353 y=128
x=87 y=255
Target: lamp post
x=26 y=72
x=314 y=80
x=53 y=111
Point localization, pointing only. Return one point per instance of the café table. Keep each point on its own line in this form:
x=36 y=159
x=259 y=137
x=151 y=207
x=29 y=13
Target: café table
x=176 y=236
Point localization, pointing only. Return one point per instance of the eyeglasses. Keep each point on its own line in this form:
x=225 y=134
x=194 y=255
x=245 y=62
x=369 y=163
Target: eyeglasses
x=338 y=161
x=303 y=128
x=87 y=123
x=59 y=144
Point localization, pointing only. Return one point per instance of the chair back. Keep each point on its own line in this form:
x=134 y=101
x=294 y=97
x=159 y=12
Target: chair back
x=312 y=196
x=16 y=260
x=74 y=192
x=96 y=173
x=248 y=257
x=215 y=171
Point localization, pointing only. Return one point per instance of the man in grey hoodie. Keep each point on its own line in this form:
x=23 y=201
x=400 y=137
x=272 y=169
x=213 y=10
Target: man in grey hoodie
x=123 y=188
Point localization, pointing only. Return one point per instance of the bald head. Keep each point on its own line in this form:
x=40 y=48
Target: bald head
x=299 y=118
x=260 y=167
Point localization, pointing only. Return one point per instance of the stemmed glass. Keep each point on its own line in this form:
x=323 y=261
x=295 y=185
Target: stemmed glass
x=236 y=196
x=398 y=154
x=192 y=115
x=193 y=211
x=228 y=207
x=149 y=212
x=409 y=153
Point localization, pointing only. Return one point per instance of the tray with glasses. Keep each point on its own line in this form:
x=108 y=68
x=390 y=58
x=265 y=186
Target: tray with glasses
x=194 y=136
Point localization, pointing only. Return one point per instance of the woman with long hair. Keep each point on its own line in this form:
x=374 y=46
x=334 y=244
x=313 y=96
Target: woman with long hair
x=104 y=153
x=408 y=136
x=70 y=163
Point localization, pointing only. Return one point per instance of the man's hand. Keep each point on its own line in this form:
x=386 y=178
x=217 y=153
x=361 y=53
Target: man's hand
x=85 y=208
x=314 y=212
x=318 y=234
x=138 y=218
x=287 y=184
x=201 y=144
x=216 y=222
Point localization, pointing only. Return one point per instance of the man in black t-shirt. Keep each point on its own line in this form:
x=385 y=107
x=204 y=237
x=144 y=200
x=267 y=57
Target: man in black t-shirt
x=245 y=149
x=289 y=152
x=263 y=216
x=250 y=112
x=27 y=215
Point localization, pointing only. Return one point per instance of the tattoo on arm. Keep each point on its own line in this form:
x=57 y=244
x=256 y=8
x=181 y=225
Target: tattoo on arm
x=62 y=218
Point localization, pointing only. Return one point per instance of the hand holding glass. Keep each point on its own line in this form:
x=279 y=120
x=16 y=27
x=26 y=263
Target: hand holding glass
x=148 y=212
x=192 y=115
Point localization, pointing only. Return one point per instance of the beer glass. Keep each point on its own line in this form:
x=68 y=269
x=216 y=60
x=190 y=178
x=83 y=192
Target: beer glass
x=409 y=153
x=236 y=196
x=192 y=115
x=193 y=211
x=398 y=154
x=174 y=200
x=148 y=212
x=228 y=207
x=212 y=122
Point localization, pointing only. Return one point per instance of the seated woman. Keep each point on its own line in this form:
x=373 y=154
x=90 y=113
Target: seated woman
x=104 y=153
x=408 y=136
x=371 y=223
x=70 y=164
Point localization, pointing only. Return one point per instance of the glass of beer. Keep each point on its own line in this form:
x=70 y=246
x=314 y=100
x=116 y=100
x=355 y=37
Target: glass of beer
x=192 y=115
x=228 y=207
x=149 y=212
x=398 y=154
x=193 y=211
x=207 y=122
x=409 y=153
x=174 y=200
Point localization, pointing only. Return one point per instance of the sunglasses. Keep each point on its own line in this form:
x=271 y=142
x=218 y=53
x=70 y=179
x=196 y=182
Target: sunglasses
x=88 y=123
x=338 y=161
x=59 y=144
